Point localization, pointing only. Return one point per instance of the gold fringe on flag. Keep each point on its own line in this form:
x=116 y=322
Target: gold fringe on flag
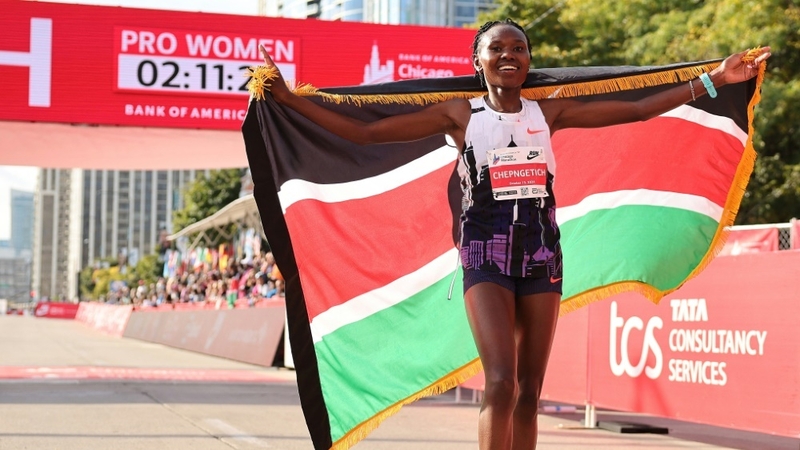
x=262 y=76
x=260 y=80
x=618 y=84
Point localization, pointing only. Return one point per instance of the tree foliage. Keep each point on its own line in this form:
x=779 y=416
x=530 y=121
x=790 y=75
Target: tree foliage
x=653 y=32
x=205 y=196
x=95 y=281
x=148 y=269
x=86 y=282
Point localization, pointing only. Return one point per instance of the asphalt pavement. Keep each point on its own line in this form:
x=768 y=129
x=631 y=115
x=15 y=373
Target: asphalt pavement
x=66 y=386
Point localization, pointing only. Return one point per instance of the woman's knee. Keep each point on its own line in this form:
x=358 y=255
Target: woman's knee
x=501 y=389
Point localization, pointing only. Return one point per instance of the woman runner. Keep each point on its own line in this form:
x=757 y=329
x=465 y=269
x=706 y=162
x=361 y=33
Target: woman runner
x=510 y=248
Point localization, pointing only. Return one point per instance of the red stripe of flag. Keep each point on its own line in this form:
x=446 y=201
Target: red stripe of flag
x=349 y=248
x=646 y=155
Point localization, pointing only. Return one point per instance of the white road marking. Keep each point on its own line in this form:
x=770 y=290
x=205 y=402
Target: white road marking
x=235 y=433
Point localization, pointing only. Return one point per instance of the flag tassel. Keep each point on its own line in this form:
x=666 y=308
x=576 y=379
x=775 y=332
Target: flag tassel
x=261 y=78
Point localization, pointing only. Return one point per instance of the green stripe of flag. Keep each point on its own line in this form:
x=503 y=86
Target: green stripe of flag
x=634 y=243
x=401 y=351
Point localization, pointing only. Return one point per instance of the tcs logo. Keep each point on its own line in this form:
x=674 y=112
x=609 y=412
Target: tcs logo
x=37 y=60
x=624 y=365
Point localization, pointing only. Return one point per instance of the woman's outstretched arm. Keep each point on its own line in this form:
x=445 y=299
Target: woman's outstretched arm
x=566 y=113
x=449 y=117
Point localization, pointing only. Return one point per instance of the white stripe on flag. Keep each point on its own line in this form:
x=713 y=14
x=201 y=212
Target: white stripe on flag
x=384 y=297
x=708 y=120
x=296 y=190
x=640 y=197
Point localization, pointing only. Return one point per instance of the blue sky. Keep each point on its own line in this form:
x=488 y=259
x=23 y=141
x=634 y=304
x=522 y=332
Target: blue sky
x=13 y=177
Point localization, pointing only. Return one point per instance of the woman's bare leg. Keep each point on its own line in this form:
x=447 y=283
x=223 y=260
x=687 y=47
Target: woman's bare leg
x=490 y=309
x=536 y=316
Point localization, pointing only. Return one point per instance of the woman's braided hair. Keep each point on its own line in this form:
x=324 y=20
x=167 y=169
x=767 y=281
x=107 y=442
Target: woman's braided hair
x=486 y=27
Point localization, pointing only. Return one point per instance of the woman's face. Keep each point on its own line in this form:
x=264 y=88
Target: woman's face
x=503 y=56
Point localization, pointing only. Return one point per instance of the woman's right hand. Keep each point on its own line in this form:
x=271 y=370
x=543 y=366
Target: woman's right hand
x=278 y=88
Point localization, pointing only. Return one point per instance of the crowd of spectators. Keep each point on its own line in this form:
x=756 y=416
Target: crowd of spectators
x=240 y=282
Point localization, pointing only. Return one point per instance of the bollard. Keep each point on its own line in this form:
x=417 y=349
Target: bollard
x=590 y=417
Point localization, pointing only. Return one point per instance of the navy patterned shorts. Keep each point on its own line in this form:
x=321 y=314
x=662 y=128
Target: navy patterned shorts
x=518 y=285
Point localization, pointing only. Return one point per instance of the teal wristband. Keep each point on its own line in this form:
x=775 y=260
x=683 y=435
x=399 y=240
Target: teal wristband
x=712 y=92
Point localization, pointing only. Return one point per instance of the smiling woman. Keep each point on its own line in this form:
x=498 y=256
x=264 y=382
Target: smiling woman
x=510 y=243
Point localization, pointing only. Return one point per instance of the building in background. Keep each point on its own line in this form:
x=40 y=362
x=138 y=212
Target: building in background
x=51 y=233
x=444 y=13
x=293 y=9
x=15 y=274
x=21 y=220
x=85 y=216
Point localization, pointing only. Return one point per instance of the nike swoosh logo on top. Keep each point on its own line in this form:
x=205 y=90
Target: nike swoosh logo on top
x=533 y=131
x=555 y=280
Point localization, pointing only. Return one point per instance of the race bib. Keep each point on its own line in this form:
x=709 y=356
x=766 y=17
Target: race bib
x=518 y=172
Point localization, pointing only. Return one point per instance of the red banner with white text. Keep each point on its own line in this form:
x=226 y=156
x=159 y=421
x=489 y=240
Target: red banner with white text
x=721 y=350
x=120 y=66
x=56 y=310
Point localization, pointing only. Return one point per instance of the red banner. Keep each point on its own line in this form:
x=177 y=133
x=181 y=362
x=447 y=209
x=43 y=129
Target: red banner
x=249 y=335
x=56 y=310
x=794 y=234
x=751 y=241
x=120 y=66
x=721 y=350
x=142 y=373
x=110 y=319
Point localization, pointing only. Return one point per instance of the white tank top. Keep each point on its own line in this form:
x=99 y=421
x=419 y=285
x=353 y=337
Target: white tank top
x=491 y=130
x=500 y=233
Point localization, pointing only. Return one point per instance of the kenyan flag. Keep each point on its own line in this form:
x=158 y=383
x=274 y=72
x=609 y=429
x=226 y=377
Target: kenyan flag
x=643 y=206
x=366 y=236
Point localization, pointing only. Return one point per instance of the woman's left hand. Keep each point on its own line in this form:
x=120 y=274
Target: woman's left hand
x=734 y=70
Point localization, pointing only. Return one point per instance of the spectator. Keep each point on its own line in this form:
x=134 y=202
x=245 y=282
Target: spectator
x=254 y=281
x=141 y=291
x=271 y=290
x=233 y=291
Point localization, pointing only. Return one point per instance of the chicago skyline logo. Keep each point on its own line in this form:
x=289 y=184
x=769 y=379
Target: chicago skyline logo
x=375 y=72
